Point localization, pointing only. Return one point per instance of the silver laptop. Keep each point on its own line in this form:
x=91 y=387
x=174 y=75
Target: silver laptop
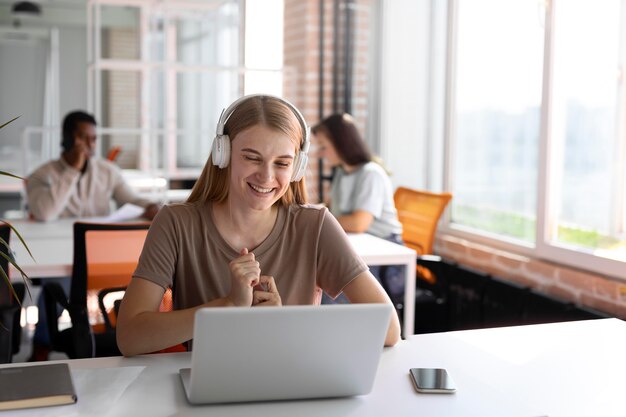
x=245 y=354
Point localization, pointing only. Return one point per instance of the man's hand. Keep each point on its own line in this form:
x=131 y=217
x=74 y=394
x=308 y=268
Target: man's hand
x=79 y=154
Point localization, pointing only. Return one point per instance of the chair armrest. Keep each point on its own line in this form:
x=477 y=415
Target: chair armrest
x=436 y=266
x=101 y=294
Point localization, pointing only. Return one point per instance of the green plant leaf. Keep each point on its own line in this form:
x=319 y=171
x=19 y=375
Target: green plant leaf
x=12 y=120
x=8 y=174
x=20 y=238
x=6 y=244
x=7 y=280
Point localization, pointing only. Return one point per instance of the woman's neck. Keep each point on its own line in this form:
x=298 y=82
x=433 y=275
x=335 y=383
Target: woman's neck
x=243 y=228
x=349 y=169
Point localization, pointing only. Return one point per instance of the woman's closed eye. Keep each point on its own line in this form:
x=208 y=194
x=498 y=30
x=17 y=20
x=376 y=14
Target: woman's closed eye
x=283 y=164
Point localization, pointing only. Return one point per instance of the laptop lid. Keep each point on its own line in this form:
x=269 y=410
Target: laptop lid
x=277 y=353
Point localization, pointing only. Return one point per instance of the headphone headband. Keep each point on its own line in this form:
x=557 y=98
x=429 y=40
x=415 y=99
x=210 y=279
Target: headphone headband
x=228 y=111
x=221 y=143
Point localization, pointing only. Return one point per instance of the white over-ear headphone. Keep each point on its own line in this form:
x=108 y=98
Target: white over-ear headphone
x=220 y=152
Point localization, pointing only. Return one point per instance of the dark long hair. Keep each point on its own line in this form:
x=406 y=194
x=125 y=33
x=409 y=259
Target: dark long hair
x=345 y=137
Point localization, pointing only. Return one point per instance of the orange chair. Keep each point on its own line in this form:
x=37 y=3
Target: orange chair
x=419 y=212
x=105 y=256
x=113 y=153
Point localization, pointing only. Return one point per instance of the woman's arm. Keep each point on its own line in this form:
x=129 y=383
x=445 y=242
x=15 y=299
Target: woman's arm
x=141 y=328
x=365 y=289
x=356 y=222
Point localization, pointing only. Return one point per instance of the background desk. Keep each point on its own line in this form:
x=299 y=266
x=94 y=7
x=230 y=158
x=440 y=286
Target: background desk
x=573 y=369
x=51 y=245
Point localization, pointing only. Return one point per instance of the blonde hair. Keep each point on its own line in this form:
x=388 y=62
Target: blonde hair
x=213 y=183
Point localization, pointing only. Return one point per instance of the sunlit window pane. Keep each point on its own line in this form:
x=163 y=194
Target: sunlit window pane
x=586 y=122
x=497 y=116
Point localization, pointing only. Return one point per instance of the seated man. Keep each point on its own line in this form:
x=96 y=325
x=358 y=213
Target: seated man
x=76 y=185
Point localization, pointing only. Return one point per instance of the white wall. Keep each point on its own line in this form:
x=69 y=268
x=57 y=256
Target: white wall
x=403 y=90
x=73 y=71
x=23 y=57
x=412 y=91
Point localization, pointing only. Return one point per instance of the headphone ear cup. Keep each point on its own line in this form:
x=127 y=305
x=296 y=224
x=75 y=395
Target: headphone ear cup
x=299 y=166
x=220 y=153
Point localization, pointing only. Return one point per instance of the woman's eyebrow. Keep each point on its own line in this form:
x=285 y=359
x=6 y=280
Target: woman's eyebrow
x=250 y=150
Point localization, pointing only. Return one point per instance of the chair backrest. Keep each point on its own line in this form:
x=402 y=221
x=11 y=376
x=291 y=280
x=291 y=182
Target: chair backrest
x=105 y=257
x=113 y=153
x=419 y=212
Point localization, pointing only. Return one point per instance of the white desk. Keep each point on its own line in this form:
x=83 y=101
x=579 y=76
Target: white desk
x=51 y=245
x=571 y=369
x=377 y=251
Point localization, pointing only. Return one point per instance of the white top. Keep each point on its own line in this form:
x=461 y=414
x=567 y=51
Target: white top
x=369 y=189
x=58 y=190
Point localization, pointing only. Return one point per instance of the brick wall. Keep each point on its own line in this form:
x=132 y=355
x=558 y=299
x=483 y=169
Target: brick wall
x=302 y=66
x=584 y=288
x=301 y=57
x=121 y=91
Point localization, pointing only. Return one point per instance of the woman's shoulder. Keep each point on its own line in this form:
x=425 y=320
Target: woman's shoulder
x=310 y=220
x=183 y=212
x=373 y=168
x=308 y=208
x=307 y=212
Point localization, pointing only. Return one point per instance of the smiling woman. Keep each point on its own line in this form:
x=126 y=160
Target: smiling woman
x=245 y=237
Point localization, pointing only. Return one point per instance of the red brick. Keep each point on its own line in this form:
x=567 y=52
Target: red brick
x=561 y=292
x=576 y=279
x=542 y=269
x=610 y=307
x=603 y=287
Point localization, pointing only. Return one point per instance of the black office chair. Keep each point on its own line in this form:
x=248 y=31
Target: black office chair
x=105 y=256
x=503 y=303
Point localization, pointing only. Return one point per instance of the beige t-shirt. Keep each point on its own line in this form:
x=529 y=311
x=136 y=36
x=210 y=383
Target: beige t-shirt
x=306 y=250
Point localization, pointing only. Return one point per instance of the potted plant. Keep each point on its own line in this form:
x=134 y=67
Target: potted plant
x=7 y=254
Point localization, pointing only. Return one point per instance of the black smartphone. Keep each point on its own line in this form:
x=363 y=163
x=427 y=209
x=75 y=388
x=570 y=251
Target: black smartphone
x=432 y=380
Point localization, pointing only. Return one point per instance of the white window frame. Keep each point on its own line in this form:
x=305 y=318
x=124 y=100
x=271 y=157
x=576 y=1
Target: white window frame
x=144 y=66
x=543 y=247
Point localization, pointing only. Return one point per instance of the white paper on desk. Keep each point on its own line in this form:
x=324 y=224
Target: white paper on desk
x=96 y=389
x=126 y=212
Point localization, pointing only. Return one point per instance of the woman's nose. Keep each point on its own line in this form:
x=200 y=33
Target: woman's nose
x=266 y=172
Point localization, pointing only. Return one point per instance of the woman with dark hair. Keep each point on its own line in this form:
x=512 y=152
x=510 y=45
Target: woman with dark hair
x=361 y=196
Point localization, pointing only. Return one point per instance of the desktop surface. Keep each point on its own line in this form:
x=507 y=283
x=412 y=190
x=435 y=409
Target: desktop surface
x=572 y=369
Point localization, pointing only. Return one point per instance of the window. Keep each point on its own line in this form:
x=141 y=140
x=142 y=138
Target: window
x=162 y=71
x=587 y=128
x=538 y=131
x=498 y=97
